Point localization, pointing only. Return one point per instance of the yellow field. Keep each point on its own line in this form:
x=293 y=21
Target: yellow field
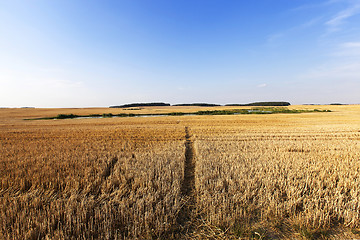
x=279 y=176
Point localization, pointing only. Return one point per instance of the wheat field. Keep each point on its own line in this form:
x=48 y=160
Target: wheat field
x=277 y=176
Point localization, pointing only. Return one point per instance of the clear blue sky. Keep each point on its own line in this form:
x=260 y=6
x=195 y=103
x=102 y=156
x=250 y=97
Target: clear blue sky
x=77 y=53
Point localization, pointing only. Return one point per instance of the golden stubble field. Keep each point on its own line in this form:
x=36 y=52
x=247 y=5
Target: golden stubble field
x=280 y=176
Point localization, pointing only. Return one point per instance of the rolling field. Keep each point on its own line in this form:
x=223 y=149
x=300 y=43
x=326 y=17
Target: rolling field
x=272 y=176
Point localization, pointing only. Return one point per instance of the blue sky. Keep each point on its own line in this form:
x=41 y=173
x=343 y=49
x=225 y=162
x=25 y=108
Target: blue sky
x=68 y=53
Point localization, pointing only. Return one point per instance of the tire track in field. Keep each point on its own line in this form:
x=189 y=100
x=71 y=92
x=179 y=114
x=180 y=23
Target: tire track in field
x=95 y=187
x=109 y=168
x=186 y=214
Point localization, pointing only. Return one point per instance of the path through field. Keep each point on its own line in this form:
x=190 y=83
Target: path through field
x=186 y=215
x=109 y=168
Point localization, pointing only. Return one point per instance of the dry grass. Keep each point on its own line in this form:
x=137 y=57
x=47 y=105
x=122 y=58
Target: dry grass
x=261 y=176
x=83 y=183
x=310 y=181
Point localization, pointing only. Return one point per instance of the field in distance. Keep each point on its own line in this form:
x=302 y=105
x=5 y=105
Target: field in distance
x=276 y=176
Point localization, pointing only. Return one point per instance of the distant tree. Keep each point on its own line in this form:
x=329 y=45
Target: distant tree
x=262 y=104
x=156 y=104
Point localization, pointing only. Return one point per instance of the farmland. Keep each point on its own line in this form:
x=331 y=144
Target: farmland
x=276 y=176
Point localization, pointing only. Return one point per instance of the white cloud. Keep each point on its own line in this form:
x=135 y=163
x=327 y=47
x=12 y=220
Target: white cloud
x=262 y=85
x=331 y=82
x=311 y=22
x=335 y=72
x=275 y=40
x=32 y=89
x=337 y=20
x=316 y=5
x=274 y=37
x=351 y=45
x=347 y=49
x=56 y=84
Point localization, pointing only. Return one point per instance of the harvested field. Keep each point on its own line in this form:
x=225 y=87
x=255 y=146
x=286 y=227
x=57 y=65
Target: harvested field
x=293 y=176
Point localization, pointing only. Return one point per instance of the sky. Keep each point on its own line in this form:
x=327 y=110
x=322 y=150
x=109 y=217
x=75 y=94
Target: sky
x=97 y=53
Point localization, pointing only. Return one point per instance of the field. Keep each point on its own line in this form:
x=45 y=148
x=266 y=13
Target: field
x=269 y=176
